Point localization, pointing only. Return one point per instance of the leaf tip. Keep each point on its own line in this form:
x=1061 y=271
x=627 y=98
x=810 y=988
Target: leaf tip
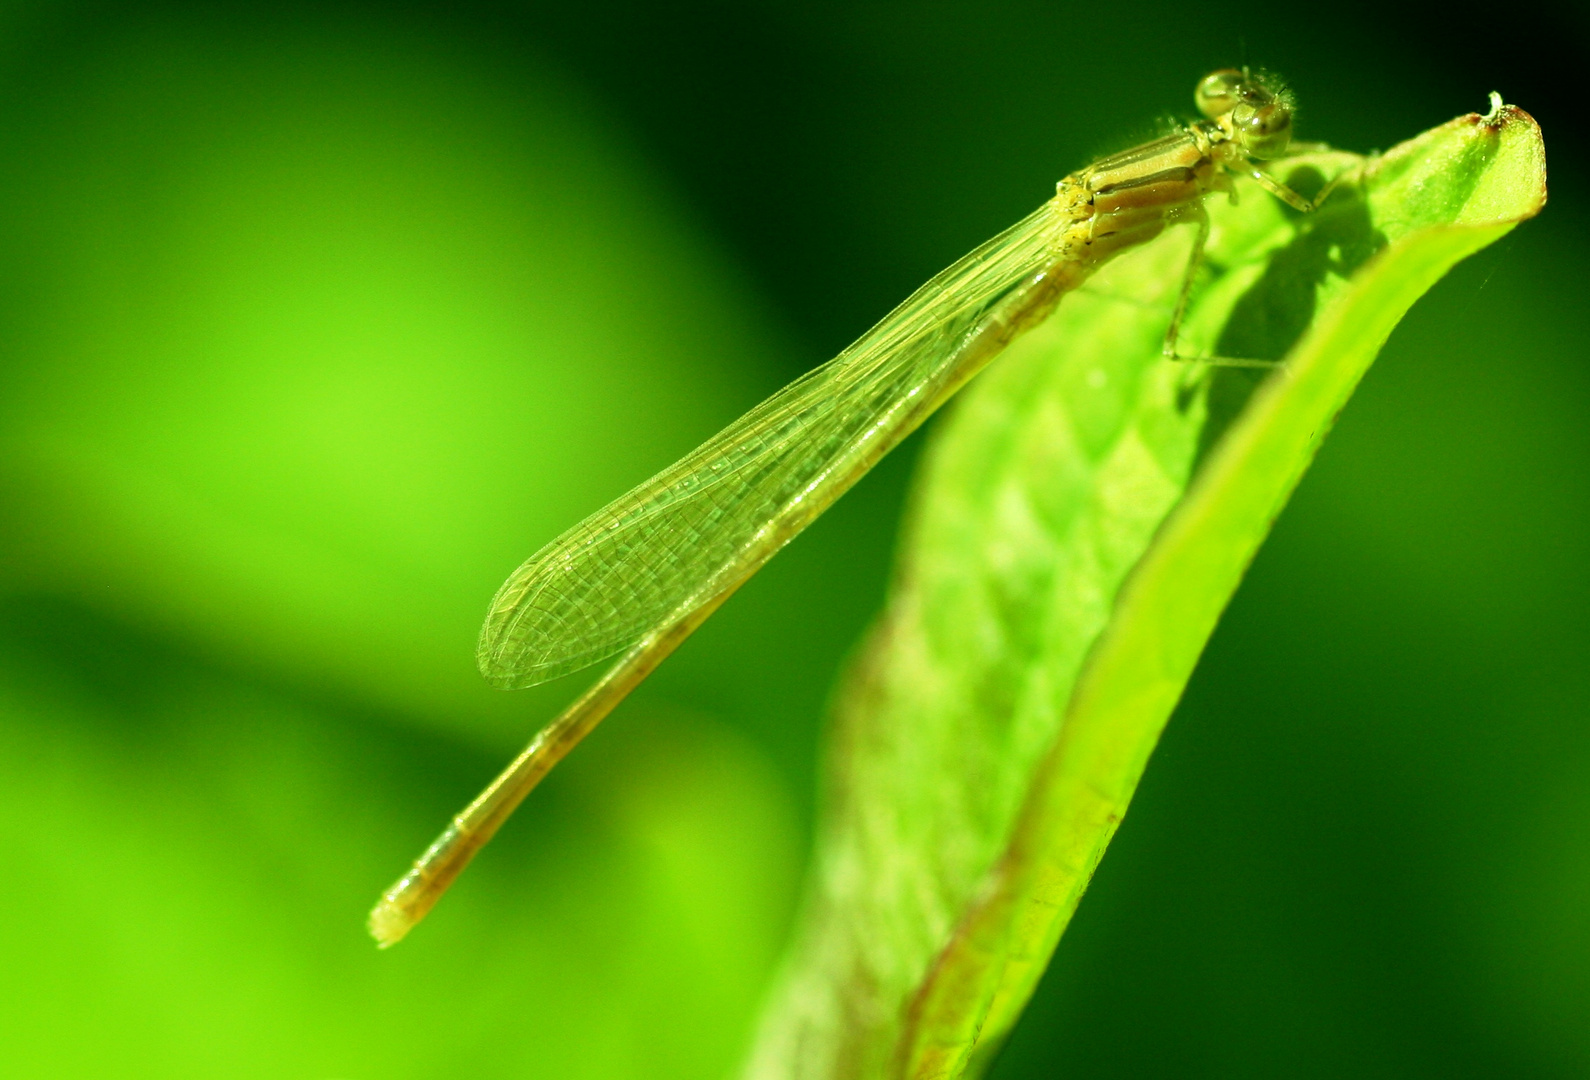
x=1522 y=149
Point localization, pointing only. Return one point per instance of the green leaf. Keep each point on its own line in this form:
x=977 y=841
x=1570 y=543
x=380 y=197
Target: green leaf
x=1079 y=525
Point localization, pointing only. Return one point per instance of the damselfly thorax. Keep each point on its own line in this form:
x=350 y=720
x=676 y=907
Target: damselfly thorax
x=1128 y=199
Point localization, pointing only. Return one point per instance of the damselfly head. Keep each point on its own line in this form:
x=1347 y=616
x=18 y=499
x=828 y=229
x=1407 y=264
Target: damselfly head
x=1255 y=113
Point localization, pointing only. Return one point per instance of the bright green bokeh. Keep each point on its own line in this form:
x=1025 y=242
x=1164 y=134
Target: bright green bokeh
x=312 y=337
x=315 y=336
x=195 y=857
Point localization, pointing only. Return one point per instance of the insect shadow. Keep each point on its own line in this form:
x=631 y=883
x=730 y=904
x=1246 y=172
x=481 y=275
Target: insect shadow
x=1268 y=319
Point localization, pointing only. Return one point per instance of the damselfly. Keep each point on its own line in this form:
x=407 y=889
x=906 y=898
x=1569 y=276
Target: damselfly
x=641 y=574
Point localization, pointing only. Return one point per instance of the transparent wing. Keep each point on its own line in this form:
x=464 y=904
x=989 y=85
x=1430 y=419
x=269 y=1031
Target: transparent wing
x=713 y=518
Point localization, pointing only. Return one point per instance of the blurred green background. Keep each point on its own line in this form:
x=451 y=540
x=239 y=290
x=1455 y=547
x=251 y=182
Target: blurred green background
x=316 y=320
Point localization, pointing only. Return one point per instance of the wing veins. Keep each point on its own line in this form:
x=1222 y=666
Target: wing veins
x=682 y=537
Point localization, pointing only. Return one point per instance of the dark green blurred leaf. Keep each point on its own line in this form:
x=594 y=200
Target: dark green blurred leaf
x=1082 y=522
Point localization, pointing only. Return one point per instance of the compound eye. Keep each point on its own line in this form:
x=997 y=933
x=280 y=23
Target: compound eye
x=1265 y=131
x=1219 y=93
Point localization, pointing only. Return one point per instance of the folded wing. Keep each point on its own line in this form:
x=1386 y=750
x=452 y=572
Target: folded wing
x=709 y=521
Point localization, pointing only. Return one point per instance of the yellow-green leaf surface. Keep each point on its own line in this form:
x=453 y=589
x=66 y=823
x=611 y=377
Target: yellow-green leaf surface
x=1081 y=521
